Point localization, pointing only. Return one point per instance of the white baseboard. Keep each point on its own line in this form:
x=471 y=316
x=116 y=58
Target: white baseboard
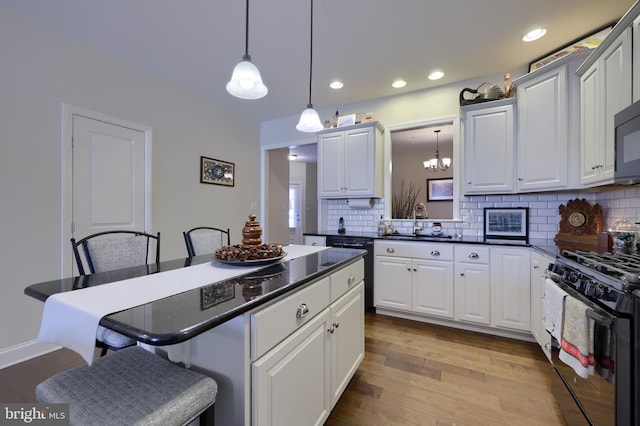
x=23 y=352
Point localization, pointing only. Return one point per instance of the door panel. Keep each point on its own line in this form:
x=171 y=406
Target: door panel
x=108 y=188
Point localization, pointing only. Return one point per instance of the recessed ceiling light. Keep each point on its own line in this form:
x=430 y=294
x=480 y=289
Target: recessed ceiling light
x=436 y=75
x=534 y=34
x=336 y=84
x=399 y=83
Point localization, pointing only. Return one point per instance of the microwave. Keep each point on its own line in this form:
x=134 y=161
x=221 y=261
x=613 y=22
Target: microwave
x=627 y=145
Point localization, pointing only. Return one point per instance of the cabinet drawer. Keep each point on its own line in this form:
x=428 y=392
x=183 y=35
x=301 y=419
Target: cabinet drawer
x=416 y=250
x=472 y=254
x=346 y=279
x=272 y=324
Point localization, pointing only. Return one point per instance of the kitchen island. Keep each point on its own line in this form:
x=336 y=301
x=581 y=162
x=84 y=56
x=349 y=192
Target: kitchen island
x=306 y=315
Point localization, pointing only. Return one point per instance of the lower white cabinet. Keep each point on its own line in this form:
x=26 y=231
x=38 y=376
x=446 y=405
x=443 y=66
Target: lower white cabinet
x=300 y=379
x=290 y=384
x=415 y=277
x=539 y=263
x=472 y=284
x=511 y=288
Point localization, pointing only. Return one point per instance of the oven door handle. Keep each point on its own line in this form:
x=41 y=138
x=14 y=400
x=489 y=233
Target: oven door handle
x=600 y=319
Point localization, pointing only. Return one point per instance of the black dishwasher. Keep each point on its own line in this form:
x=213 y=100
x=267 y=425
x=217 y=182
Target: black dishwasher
x=364 y=244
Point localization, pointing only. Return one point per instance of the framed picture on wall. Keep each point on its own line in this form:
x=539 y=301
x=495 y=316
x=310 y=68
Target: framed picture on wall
x=506 y=223
x=217 y=172
x=439 y=189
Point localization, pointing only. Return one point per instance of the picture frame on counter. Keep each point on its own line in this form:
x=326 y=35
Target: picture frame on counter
x=440 y=189
x=346 y=120
x=587 y=42
x=217 y=172
x=506 y=223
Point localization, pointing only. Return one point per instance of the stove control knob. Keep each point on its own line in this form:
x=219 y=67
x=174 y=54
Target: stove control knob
x=570 y=276
x=594 y=290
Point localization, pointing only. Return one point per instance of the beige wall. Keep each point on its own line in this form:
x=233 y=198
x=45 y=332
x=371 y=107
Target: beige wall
x=42 y=69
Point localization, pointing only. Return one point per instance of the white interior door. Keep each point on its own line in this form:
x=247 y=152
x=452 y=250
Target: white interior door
x=295 y=213
x=109 y=177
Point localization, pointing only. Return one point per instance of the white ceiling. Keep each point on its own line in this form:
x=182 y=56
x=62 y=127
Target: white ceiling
x=367 y=44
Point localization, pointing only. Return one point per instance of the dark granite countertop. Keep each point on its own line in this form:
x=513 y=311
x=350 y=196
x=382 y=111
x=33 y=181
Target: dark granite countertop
x=180 y=317
x=546 y=246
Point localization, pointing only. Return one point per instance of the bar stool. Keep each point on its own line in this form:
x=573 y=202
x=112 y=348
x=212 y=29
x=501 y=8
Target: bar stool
x=132 y=386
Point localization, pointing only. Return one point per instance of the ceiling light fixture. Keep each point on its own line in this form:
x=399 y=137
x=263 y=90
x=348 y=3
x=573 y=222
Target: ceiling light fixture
x=309 y=119
x=436 y=75
x=336 y=85
x=437 y=164
x=399 y=84
x=534 y=34
x=246 y=82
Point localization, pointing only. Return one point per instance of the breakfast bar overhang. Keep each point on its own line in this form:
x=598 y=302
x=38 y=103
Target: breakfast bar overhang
x=232 y=329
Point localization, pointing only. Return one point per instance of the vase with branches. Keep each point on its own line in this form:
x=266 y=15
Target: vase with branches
x=402 y=203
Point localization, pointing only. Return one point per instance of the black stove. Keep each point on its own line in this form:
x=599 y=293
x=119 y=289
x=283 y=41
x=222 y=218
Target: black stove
x=609 y=285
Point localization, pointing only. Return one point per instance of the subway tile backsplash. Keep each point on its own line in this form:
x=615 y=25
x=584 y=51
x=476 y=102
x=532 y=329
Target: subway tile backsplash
x=616 y=203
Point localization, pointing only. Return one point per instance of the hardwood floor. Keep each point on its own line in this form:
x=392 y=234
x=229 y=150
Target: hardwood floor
x=421 y=374
x=413 y=374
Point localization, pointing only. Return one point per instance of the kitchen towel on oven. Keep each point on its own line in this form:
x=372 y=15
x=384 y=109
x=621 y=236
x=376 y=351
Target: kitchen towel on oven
x=576 y=349
x=553 y=308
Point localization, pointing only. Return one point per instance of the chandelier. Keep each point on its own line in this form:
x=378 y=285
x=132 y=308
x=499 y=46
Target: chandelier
x=437 y=164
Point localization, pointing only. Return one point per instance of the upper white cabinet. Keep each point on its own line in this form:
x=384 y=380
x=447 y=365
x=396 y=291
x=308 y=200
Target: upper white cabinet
x=489 y=147
x=636 y=59
x=548 y=130
x=350 y=162
x=605 y=89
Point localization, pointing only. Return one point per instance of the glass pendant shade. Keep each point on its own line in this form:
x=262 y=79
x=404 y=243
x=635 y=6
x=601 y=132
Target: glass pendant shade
x=246 y=82
x=309 y=120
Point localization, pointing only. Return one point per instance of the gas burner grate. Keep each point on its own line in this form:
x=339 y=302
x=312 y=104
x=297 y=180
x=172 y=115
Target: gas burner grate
x=625 y=267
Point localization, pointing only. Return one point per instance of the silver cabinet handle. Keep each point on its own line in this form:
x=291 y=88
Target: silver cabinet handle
x=536 y=266
x=314 y=244
x=409 y=269
x=333 y=327
x=435 y=253
x=462 y=274
x=473 y=255
x=350 y=279
x=390 y=250
x=302 y=310
x=337 y=324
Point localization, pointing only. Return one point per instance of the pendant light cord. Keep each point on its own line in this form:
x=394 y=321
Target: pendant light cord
x=246 y=34
x=309 y=105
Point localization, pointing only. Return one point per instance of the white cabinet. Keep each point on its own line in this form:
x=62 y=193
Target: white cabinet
x=605 y=89
x=510 y=288
x=415 y=277
x=315 y=240
x=472 y=284
x=548 y=130
x=347 y=340
x=489 y=142
x=350 y=162
x=539 y=263
x=290 y=384
x=306 y=348
x=636 y=59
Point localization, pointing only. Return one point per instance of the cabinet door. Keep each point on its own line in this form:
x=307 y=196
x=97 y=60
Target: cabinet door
x=590 y=125
x=331 y=164
x=543 y=139
x=347 y=339
x=359 y=162
x=539 y=263
x=392 y=282
x=290 y=384
x=315 y=240
x=489 y=137
x=511 y=288
x=616 y=80
x=473 y=293
x=433 y=288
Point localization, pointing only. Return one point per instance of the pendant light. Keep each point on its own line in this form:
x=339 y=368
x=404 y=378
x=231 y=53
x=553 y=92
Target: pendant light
x=309 y=119
x=246 y=82
x=437 y=164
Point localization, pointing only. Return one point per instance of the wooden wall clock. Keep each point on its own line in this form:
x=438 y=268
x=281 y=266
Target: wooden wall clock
x=580 y=226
